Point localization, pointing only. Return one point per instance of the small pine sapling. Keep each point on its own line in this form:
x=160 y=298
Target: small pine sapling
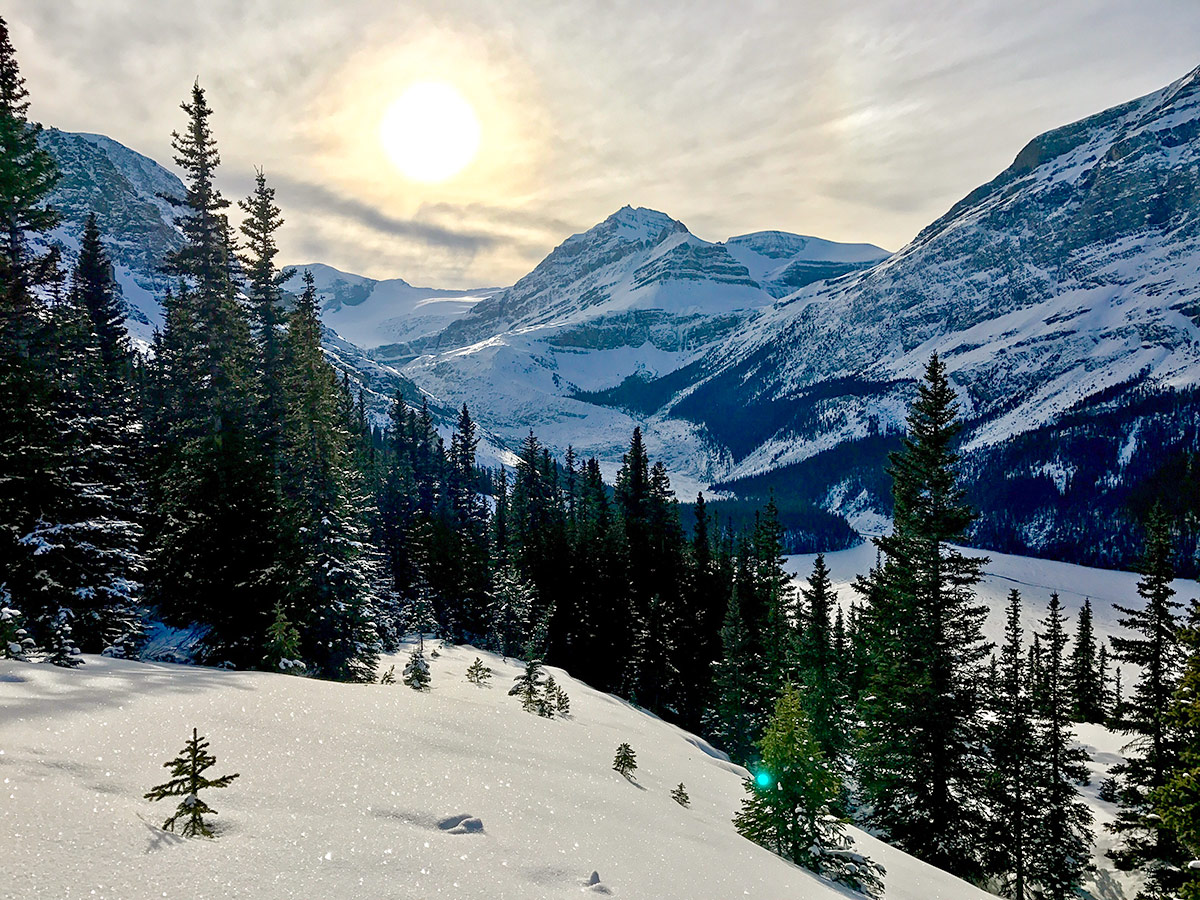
x=60 y=647
x=546 y=704
x=680 y=796
x=416 y=671
x=282 y=650
x=625 y=762
x=562 y=703
x=478 y=673
x=388 y=677
x=187 y=781
x=528 y=686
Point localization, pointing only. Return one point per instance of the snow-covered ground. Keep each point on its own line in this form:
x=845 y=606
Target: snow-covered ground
x=1035 y=578
x=345 y=789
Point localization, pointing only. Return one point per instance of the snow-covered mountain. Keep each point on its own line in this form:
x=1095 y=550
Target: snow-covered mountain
x=385 y=316
x=1064 y=296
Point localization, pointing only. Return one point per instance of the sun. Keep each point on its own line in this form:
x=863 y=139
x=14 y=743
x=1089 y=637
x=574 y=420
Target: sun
x=430 y=132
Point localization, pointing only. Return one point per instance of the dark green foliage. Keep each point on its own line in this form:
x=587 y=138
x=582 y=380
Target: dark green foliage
x=1062 y=838
x=921 y=755
x=529 y=686
x=416 y=671
x=1084 y=671
x=625 y=762
x=680 y=796
x=1178 y=800
x=479 y=674
x=187 y=781
x=788 y=804
x=817 y=670
x=388 y=677
x=1148 y=842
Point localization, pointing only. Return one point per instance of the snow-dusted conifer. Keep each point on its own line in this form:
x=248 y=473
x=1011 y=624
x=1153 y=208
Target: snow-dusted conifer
x=15 y=642
x=187 y=781
x=625 y=762
x=478 y=674
x=60 y=649
x=388 y=677
x=528 y=686
x=416 y=671
x=283 y=645
x=680 y=796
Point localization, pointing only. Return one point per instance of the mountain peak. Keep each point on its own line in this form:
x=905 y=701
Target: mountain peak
x=638 y=225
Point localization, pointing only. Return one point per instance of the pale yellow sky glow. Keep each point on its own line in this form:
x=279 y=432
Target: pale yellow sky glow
x=859 y=121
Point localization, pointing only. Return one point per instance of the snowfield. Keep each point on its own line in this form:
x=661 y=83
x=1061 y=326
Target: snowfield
x=359 y=791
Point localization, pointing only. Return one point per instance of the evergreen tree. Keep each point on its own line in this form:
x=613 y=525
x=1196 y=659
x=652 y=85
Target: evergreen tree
x=264 y=285
x=212 y=492
x=920 y=760
x=823 y=694
x=1063 y=838
x=282 y=652
x=1012 y=786
x=388 y=677
x=1178 y=801
x=512 y=603
x=30 y=458
x=1083 y=671
x=416 y=671
x=328 y=560
x=94 y=288
x=187 y=781
x=562 y=703
x=478 y=674
x=737 y=687
x=625 y=762
x=15 y=642
x=788 y=803
x=680 y=796
x=528 y=687
x=1148 y=842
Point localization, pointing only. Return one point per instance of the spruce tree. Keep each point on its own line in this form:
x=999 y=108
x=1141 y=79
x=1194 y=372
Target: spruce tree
x=1012 y=787
x=625 y=762
x=736 y=684
x=416 y=671
x=817 y=668
x=187 y=781
x=30 y=456
x=282 y=651
x=511 y=607
x=478 y=674
x=212 y=492
x=1061 y=849
x=1148 y=842
x=528 y=687
x=788 y=804
x=1178 y=801
x=921 y=760
x=1083 y=671
x=680 y=796
x=15 y=642
x=327 y=555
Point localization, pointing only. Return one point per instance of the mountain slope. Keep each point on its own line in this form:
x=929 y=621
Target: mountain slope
x=631 y=300
x=353 y=790
x=1064 y=296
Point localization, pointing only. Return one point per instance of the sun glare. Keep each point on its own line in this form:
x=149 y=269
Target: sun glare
x=430 y=132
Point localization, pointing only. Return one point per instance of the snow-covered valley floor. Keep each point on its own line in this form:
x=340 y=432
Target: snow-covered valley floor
x=343 y=789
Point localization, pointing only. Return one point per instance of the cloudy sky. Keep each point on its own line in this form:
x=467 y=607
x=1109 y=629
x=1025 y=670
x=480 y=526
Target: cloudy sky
x=860 y=120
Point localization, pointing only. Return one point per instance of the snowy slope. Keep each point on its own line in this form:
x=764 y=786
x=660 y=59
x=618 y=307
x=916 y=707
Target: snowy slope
x=1036 y=579
x=346 y=791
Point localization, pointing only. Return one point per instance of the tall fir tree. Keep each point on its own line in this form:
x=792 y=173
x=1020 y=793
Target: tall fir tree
x=331 y=569
x=1062 y=842
x=212 y=493
x=1148 y=842
x=1178 y=801
x=1083 y=671
x=920 y=760
x=824 y=693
